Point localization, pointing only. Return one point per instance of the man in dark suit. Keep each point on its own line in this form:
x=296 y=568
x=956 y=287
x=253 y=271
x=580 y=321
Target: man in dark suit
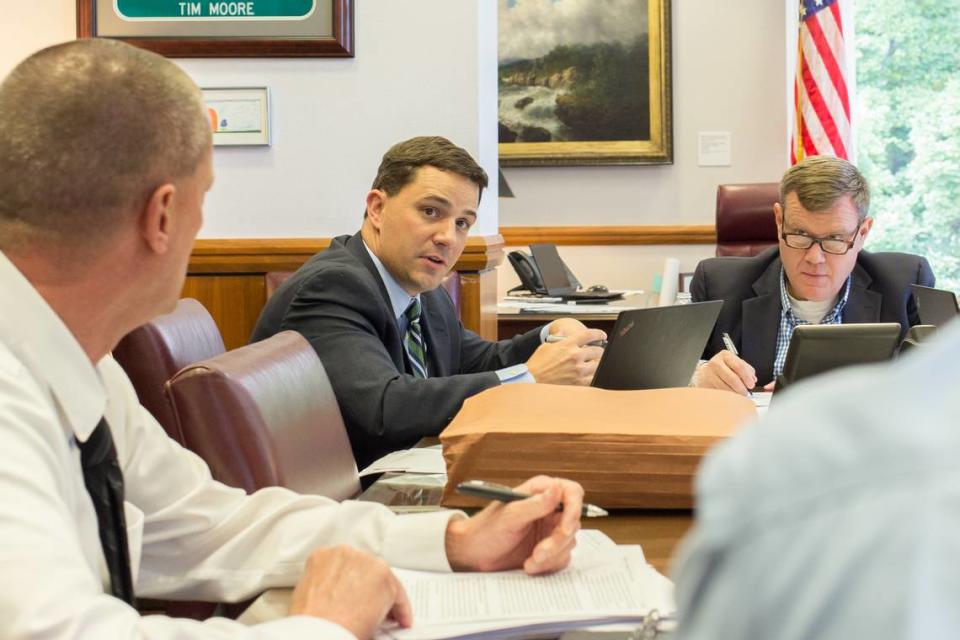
x=399 y=361
x=819 y=273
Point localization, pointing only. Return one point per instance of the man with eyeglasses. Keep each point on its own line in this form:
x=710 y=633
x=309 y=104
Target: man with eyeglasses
x=819 y=274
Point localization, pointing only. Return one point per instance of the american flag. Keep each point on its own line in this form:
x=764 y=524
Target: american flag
x=821 y=118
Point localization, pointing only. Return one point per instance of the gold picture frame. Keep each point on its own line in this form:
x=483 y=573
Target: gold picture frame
x=581 y=139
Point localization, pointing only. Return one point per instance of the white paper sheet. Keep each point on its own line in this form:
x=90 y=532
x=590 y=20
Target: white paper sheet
x=417 y=460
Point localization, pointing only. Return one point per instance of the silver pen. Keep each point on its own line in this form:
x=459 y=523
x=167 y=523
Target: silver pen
x=494 y=491
x=552 y=337
x=732 y=348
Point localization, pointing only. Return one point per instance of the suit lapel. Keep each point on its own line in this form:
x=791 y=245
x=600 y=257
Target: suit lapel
x=863 y=304
x=393 y=341
x=761 y=323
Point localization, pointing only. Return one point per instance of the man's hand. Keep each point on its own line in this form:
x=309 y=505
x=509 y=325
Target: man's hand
x=566 y=327
x=351 y=588
x=569 y=361
x=527 y=533
x=725 y=371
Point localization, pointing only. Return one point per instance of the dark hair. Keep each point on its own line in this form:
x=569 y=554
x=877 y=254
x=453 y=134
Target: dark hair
x=401 y=161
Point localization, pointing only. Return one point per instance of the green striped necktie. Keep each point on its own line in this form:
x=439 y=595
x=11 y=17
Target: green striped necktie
x=413 y=340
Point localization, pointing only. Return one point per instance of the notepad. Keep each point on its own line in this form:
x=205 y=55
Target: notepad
x=603 y=585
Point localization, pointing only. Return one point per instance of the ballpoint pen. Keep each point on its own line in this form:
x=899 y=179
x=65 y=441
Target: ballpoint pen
x=493 y=491
x=732 y=348
x=594 y=343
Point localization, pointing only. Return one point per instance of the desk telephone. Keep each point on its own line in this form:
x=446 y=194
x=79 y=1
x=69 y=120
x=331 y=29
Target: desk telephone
x=530 y=280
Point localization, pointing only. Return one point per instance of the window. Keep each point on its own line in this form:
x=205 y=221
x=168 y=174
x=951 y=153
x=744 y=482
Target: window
x=907 y=116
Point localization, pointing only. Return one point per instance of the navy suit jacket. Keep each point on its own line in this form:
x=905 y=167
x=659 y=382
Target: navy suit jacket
x=750 y=290
x=338 y=301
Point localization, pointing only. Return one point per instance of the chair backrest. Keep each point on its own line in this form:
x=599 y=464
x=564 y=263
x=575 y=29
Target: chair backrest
x=273 y=279
x=152 y=353
x=452 y=284
x=265 y=415
x=745 y=221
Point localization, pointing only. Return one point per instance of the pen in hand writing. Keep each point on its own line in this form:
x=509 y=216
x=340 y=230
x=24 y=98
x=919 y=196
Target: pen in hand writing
x=594 y=343
x=493 y=491
x=732 y=348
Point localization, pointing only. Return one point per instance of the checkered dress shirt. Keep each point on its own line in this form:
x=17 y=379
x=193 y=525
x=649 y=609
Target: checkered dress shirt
x=789 y=321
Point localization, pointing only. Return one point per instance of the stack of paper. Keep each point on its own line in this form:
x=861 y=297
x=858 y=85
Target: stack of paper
x=416 y=460
x=605 y=584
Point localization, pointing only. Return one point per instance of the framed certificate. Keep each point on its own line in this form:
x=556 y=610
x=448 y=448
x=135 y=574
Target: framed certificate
x=224 y=28
x=239 y=115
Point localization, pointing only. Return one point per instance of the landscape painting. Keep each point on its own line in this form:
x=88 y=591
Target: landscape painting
x=584 y=82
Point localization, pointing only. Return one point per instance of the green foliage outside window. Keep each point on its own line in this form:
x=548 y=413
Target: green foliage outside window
x=908 y=127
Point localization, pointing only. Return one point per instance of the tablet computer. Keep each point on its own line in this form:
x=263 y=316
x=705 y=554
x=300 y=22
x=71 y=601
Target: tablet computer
x=935 y=306
x=817 y=348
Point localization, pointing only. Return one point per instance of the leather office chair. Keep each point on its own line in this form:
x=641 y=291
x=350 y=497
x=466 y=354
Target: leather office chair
x=273 y=279
x=265 y=415
x=452 y=284
x=151 y=354
x=745 y=222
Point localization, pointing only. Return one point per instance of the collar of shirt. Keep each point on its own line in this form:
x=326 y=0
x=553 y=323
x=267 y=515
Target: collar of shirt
x=38 y=337
x=834 y=316
x=399 y=299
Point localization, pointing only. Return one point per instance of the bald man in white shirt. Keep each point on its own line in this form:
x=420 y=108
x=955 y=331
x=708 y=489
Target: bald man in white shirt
x=105 y=158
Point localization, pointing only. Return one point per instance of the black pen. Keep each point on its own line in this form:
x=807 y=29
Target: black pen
x=493 y=491
x=732 y=348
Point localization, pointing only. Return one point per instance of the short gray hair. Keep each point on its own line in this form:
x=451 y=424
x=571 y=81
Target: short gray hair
x=88 y=130
x=819 y=181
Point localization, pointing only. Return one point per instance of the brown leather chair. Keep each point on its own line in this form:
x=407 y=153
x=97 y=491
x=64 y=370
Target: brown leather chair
x=273 y=279
x=265 y=415
x=151 y=354
x=452 y=284
x=745 y=222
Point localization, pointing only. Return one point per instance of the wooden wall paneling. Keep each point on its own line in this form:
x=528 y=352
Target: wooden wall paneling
x=227 y=277
x=234 y=301
x=611 y=235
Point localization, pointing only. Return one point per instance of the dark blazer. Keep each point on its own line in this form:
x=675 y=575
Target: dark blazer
x=338 y=301
x=750 y=290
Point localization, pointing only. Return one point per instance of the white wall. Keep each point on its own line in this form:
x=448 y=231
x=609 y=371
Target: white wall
x=418 y=70
x=728 y=75
x=429 y=66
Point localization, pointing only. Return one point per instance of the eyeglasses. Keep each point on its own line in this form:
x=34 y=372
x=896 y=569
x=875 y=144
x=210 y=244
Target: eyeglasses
x=827 y=245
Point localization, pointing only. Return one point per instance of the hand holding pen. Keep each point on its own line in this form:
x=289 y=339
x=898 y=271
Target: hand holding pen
x=537 y=531
x=726 y=370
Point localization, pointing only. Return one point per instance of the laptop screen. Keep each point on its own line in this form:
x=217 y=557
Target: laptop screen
x=656 y=348
x=552 y=270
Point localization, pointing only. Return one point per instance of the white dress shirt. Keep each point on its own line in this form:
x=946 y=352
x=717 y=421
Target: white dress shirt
x=190 y=537
x=837 y=516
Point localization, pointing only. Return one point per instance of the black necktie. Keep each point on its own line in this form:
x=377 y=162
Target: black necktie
x=104 y=481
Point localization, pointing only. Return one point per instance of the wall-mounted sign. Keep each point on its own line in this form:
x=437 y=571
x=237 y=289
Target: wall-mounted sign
x=224 y=28
x=167 y=10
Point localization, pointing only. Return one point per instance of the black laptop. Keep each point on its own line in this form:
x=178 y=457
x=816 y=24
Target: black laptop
x=555 y=280
x=656 y=348
x=935 y=306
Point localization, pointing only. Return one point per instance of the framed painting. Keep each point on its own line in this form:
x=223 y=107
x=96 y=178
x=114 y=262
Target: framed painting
x=224 y=28
x=583 y=82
